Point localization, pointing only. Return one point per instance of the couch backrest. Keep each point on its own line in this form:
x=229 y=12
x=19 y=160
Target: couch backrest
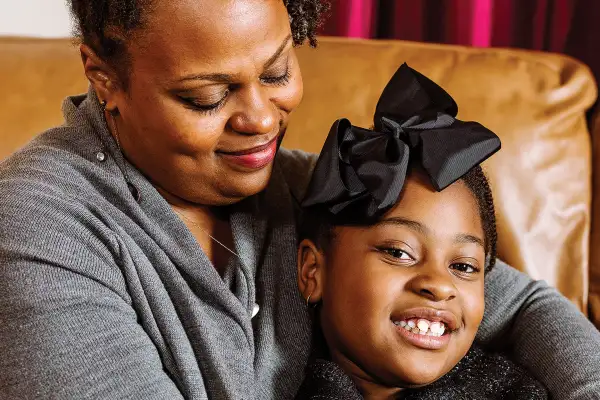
x=535 y=102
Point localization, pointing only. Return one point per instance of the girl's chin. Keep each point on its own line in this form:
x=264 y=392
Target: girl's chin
x=401 y=377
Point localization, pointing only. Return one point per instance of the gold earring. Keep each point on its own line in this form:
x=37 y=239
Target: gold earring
x=308 y=300
x=103 y=104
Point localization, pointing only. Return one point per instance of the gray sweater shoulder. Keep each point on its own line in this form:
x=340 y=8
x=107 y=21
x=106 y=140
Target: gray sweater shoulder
x=49 y=214
x=297 y=167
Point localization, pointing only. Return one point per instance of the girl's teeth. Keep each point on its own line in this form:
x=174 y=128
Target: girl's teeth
x=438 y=328
x=423 y=327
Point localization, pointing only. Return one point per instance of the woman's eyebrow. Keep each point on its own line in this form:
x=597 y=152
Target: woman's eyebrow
x=227 y=78
x=277 y=53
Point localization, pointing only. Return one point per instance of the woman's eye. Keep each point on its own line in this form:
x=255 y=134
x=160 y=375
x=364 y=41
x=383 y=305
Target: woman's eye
x=397 y=253
x=279 y=80
x=464 y=268
x=198 y=105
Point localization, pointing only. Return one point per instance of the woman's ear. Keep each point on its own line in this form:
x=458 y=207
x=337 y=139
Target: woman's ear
x=311 y=271
x=102 y=77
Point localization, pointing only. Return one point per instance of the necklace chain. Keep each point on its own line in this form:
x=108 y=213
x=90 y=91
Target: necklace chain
x=183 y=217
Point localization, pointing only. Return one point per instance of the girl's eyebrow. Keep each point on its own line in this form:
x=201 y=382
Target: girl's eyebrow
x=409 y=223
x=465 y=238
x=422 y=229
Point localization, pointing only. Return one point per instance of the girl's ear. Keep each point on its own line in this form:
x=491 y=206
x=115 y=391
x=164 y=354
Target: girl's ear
x=311 y=271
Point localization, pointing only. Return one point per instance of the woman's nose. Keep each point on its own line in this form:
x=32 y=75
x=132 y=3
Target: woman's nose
x=435 y=284
x=256 y=115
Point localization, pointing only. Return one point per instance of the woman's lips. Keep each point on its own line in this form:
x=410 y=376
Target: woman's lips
x=255 y=158
x=423 y=341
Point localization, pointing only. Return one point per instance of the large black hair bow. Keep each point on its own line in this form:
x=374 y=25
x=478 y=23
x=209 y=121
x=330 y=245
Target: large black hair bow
x=360 y=172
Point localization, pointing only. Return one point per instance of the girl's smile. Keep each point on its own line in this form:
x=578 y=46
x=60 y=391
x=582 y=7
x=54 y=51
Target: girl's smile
x=427 y=328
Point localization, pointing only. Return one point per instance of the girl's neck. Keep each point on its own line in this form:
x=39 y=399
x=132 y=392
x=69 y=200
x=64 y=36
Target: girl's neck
x=374 y=391
x=369 y=388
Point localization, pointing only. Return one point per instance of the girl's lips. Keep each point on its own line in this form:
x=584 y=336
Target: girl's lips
x=424 y=341
x=256 y=158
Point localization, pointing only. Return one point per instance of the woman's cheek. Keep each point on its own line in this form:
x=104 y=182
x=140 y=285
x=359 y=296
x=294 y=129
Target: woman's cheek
x=289 y=97
x=193 y=133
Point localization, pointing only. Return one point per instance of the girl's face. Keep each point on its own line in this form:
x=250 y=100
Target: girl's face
x=211 y=87
x=422 y=266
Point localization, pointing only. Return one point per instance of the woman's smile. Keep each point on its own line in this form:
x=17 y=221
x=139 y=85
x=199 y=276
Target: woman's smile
x=253 y=158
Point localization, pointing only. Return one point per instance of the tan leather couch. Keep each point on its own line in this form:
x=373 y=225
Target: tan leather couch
x=536 y=102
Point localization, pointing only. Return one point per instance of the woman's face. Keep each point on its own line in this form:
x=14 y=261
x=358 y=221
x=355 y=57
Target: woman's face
x=423 y=264
x=211 y=87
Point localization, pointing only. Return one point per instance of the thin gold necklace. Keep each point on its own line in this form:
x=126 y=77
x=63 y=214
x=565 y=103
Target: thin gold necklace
x=183 y=217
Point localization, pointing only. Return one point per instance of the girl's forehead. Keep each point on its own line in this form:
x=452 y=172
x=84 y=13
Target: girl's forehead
x=451 y=210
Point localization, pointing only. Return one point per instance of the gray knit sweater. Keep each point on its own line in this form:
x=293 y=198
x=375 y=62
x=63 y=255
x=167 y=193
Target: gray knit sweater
x=105 y=297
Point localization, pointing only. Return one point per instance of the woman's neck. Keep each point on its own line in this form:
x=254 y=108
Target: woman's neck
x=209 y=225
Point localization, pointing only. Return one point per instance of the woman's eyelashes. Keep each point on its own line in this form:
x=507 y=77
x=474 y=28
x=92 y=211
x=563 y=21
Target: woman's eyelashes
x=278 y=80
x=198 y=105
x=203 y=106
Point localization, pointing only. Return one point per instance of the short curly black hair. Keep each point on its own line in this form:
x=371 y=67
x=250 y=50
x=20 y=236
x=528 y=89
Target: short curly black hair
x=318 y=226
x=106 y=25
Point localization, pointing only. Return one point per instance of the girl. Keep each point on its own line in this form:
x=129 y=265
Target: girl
x=399 y=234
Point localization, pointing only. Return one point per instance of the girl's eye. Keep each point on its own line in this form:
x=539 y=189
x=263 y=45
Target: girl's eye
x=280 y=80
x=464 y=268
x=397 y=253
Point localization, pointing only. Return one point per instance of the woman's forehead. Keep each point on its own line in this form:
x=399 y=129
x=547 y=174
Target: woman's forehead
x=187 y=34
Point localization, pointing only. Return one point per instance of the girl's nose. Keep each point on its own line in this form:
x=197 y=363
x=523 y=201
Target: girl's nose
x=435 y=284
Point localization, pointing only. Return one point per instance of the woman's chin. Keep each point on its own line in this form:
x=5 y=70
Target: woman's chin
x=239 y=186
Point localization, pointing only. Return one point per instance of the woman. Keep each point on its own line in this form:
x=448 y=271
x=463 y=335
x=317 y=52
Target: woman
x=148 y=245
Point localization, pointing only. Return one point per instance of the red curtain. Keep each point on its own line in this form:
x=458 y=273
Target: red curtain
x=564 y=26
